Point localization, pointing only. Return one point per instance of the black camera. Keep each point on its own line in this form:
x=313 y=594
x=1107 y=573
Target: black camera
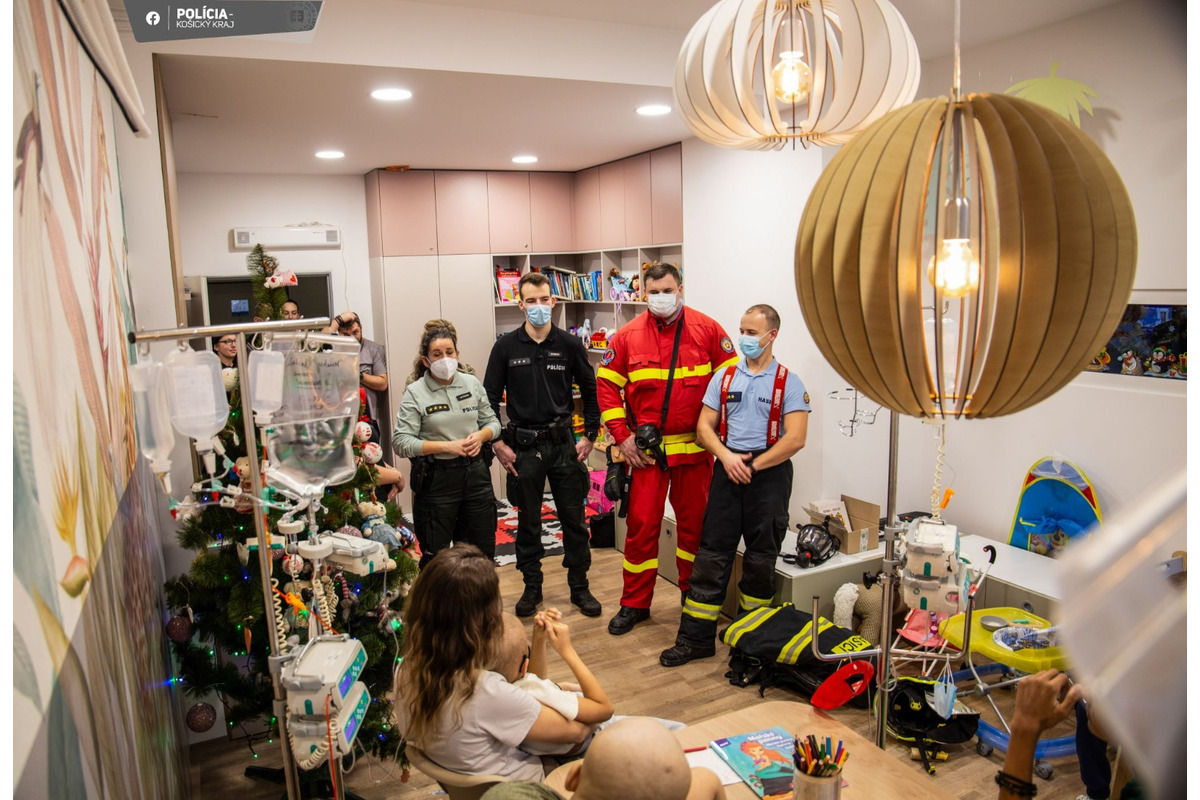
x=647 y=437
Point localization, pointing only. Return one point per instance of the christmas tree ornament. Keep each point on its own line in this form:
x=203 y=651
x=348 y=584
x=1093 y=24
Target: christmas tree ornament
x=350 y=530
x=247 y=633
x=293 y=564
x=179 y=629
x=201 y=717
x=362 y=432
x=372 y=452
x=229 y=377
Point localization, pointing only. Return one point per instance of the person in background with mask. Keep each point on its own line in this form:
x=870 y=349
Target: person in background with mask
x=446 y=415
x=755 y=418
x=650 y=385
x=536 y=364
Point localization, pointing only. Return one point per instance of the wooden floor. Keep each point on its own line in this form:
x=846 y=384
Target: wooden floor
x=628 y=668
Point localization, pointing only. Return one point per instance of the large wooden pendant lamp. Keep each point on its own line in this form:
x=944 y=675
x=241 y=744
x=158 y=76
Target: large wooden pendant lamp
x=965 y=258
x=756 y=74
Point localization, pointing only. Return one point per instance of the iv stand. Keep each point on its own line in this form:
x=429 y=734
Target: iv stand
x=291 y=779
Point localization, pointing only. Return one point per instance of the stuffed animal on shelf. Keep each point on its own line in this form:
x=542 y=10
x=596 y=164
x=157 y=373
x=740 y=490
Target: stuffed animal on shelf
x=375 y=527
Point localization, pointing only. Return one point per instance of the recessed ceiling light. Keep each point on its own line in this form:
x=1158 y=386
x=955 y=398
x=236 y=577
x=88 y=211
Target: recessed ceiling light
x=391 y=94
x=330 y=154
x=654 y=110
x=524 y=159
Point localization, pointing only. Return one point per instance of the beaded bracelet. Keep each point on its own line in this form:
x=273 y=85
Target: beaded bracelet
x=1015 y=786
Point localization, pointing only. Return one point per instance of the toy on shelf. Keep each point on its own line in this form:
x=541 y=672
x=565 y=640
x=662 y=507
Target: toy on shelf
x=599 y=340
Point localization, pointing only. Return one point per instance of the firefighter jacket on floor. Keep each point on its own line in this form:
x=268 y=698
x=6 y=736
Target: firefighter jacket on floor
x=631 y=385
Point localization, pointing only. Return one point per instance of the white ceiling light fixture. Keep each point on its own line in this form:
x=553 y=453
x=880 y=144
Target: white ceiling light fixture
x=330 y=154
x=654 y=110
x=524 y=159
x=756 y=74
x=391 y=94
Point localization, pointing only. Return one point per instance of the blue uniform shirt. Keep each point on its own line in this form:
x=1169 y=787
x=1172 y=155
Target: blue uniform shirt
x=749 y=403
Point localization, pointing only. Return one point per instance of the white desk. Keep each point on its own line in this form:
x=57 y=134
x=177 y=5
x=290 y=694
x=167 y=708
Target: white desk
x=1018 y=577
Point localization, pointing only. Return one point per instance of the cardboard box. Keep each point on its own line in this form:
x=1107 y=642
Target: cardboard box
x=863 y=532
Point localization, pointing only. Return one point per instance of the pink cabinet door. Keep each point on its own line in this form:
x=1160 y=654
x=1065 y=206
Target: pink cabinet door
x=638 y=213
x=462 y=212
x=612 y=205
x=407 y=216
x=666 y=194
x=587 y=209
x=551 y=209
x=508 y=211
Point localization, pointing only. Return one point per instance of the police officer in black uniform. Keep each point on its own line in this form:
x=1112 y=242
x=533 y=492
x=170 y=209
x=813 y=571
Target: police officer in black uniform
x=536 y=364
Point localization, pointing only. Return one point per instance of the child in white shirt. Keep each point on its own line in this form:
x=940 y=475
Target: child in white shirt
x=524 y=666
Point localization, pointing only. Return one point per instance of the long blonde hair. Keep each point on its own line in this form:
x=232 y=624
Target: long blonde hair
x=453 y=629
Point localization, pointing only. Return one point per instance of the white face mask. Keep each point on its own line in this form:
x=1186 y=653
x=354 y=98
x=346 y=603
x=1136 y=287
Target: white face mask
x=662 y=305
x=444 y=368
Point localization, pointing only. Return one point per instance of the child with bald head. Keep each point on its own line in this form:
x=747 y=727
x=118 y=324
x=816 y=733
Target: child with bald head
x=634 y=759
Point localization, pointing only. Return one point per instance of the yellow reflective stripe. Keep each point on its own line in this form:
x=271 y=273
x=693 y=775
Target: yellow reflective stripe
x=750 y=603
x=700 y=610
x=629 y=566
x=612 y=376
x=747 y=623
x=612 y=413
x=685 y=555
x=676 y=438
x=679 y=449
x=791 y=652
x=725 y=364
x=655 y=373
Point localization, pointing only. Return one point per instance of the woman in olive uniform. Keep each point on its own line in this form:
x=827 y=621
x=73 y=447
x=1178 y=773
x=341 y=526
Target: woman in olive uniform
x=445 y=418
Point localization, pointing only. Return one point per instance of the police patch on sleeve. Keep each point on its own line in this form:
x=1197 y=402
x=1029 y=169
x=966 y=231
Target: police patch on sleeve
x=806 y=399
x=726 y=345
x=608 y=356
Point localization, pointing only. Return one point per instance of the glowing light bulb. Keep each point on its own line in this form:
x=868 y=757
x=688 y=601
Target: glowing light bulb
x=955 y=269
x=792 y=77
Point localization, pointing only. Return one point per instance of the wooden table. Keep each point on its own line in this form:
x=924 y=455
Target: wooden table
x=869 y=773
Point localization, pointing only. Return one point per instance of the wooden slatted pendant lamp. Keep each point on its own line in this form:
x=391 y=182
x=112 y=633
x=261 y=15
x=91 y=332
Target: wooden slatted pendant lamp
x=756 y=74
x=965 y=258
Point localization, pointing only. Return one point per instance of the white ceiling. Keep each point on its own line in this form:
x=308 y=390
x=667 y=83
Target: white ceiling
x=269 y=115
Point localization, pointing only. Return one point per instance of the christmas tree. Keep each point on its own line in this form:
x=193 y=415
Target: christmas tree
x=269 y=283
x=220 y=633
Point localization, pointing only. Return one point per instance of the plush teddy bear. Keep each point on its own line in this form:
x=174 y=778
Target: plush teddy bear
x=375 y=527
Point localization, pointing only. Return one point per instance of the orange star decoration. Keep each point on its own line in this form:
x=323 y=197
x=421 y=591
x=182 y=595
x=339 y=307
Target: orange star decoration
x=1061 y=95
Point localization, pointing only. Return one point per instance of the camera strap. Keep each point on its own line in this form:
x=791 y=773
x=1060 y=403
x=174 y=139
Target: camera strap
x=662 y=423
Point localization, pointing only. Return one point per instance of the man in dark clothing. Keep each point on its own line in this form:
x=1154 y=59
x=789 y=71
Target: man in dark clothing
x=536 y=365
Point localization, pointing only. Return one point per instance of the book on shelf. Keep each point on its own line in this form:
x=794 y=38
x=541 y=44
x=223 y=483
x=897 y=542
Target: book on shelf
x=507 y=281
x=763 y=759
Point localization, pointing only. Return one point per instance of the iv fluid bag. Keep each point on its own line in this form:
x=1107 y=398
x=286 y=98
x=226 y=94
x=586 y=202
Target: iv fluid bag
x=152 y=414
x=309 y=439
x=266 y=381
x=199 y=407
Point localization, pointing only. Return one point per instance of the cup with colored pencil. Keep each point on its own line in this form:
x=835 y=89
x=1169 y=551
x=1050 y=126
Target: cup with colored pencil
x=818 y=768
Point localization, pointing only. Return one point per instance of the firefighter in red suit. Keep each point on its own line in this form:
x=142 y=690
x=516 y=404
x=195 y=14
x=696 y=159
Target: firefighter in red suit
x=632 y=385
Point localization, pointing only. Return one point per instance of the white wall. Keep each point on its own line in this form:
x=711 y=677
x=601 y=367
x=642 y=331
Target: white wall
x=741 y=211
x=209 y=205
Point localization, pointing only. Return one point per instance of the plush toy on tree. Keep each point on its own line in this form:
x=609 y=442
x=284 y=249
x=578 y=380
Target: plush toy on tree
x=269 y=283
x=375 y=527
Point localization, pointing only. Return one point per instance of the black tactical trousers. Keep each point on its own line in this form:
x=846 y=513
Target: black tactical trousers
x=569 y=484
x=455 y=504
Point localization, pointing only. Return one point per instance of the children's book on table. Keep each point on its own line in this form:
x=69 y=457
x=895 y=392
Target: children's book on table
x=763 y=759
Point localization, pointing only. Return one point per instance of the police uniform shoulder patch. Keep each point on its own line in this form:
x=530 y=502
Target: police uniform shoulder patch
x=436 y=407
x=806 y=397
x=726 y=345
x=608 y=356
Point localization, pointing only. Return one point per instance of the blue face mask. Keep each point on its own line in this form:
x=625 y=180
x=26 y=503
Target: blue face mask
x=538 y=315
x=750 y=346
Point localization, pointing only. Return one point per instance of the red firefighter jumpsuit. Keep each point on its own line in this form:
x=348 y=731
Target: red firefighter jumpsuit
x=636 y=363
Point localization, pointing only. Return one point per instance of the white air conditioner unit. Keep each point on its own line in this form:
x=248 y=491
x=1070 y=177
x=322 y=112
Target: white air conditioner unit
x=304 y=237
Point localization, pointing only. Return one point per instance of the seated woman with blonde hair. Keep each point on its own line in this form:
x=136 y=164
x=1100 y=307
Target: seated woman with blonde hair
x=448 y=703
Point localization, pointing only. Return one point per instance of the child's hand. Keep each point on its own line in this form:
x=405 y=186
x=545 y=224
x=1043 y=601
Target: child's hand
x=559 y=635
x=545 y=616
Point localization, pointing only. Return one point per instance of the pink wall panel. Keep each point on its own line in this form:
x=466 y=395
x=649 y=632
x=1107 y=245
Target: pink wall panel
x=462 y=212
x=408 y=223
x=638 y=229
x=508 y=211
x=612 y=205
x=374 y=223
x=587 y=209
x=666 y=194
x=551 y=206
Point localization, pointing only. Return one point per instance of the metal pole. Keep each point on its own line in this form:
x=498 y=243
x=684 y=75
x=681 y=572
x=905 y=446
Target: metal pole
x=291 y=778
x=887 y=579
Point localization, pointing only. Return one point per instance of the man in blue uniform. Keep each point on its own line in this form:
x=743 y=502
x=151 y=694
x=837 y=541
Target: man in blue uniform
x=755 y=418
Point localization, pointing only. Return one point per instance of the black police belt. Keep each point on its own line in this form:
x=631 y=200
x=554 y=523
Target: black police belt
x=559 y=432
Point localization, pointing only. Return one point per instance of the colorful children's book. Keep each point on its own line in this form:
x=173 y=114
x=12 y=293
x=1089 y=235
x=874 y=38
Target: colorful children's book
x=506 y=285
x=763 y=759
